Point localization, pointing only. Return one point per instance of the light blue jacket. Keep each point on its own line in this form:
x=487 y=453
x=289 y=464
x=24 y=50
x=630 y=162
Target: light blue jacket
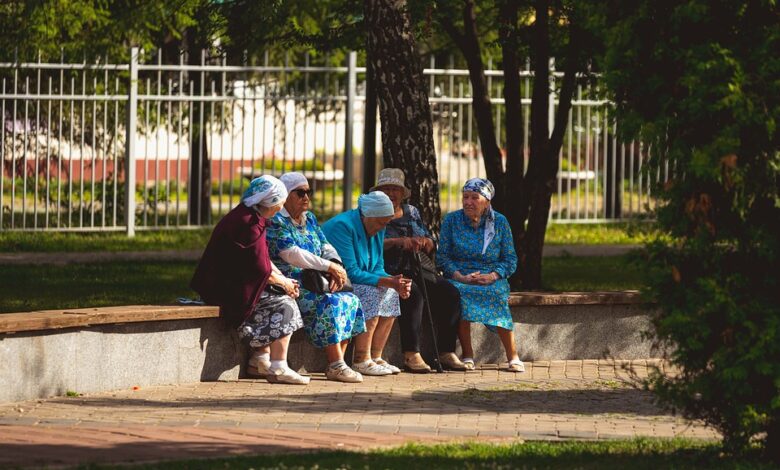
x=362 y=256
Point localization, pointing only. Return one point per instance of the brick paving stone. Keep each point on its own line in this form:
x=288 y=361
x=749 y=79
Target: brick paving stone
x=554 y=400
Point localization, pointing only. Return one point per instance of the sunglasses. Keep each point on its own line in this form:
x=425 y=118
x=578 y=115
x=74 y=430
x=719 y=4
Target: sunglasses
x=303 y=192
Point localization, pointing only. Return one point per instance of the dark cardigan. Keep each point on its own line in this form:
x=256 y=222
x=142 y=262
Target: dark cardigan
x=235 y=266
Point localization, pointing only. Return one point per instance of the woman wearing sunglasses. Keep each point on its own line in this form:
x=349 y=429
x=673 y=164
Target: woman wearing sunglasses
x=296 y=242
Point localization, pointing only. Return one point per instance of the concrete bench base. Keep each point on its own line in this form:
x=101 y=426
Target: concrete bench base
x=51 y=353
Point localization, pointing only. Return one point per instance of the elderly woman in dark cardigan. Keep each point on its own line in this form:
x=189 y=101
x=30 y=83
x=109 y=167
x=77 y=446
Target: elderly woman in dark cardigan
x=236 y=273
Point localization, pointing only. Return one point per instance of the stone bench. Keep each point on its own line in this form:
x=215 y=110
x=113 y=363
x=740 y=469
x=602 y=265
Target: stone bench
x=52 y=352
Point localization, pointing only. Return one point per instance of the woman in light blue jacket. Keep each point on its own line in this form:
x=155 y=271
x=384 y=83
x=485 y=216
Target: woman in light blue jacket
x=358 y=236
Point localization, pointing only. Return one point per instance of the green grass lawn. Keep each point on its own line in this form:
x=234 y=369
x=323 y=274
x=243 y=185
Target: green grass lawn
x=635 y=454
x=26 y=288
x=589 y=273
x=196 y=239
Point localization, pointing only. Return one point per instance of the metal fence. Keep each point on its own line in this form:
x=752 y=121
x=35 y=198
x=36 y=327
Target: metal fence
x=84 y=145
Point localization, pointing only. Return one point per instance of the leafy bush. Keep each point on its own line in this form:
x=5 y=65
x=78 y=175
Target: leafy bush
x=698 y=82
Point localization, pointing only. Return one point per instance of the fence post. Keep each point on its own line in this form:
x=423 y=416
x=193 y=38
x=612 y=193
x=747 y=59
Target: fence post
x=551 y=99
x=132 y=115
x=349 y=122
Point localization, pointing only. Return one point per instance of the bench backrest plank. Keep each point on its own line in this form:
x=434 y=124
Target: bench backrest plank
x=74 y=318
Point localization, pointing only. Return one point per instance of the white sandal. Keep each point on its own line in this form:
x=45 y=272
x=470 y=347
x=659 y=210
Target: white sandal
x=515 y=365
x=371 y=368
x=468 y=362
x=387 y=365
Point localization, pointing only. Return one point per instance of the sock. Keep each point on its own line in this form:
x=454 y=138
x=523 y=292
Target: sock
x=276 y=365
x=337 y=364
x=265 y=357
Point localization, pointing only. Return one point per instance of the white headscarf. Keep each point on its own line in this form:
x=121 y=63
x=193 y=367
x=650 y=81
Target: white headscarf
x=293 y=180
x=265 y=190
x=375 y=204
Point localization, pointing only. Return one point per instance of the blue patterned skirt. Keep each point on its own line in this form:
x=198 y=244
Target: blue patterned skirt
x=488 y=305
x=331 y=318
x=378 y=301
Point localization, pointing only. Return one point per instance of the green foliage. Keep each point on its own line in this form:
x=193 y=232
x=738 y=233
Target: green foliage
x=78 y=29
x=698 y=80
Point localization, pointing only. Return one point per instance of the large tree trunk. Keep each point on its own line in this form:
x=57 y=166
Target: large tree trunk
x=407 y=129
x=515 y=158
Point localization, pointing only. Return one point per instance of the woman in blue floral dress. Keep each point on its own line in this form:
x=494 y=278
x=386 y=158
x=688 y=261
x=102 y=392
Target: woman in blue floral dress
x=477 y=253
x=296 y=242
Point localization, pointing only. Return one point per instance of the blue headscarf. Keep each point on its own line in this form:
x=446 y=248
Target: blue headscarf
x=375 y=204
x=481 y=186
x=265 y=190
x=484 y=188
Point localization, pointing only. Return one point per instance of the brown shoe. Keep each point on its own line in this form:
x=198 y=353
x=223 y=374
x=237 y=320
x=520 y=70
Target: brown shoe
x=450 y=361
x=416 y=365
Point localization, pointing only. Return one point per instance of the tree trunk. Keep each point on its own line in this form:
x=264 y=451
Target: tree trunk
x=613 y=206
x=515 y=158
x=199 y=187
x=772 y=443
x=407 y=129
x=369 y=131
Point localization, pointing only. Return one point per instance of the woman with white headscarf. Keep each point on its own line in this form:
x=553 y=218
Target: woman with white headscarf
x=296 y=242
x=358 y=236
x=236 y=273
x=477 y=253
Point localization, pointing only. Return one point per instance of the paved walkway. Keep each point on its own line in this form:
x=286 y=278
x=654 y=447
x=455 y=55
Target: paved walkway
x=62 y=259
x=551 y=401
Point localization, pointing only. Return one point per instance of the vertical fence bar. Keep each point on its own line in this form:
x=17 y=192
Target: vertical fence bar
x=2 y=162
x=25 y=126
x=349 y=122
x=37 y=151
x=132 y=115
x=13 y=151
x=47 y=161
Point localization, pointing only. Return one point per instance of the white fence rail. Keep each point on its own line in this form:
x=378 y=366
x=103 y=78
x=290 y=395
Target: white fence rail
x=84 y=145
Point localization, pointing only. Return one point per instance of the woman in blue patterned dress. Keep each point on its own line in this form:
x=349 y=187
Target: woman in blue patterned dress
x=476 y=251
x=296 y=242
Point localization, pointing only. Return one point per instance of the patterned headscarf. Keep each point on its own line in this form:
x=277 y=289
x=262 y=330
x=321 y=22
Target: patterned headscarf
x=293 y=180
x=481 y=186
x=265 y=190
x=484 y=188
x=375 y=204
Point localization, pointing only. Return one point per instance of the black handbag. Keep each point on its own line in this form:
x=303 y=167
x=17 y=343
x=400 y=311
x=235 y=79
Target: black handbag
x=427 y=266
x=319 y=281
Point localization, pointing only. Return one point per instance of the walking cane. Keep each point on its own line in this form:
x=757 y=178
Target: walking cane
x=421 y=280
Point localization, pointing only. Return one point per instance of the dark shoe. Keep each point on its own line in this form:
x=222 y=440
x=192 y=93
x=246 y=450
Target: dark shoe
x=450 y=361
x=416 y=365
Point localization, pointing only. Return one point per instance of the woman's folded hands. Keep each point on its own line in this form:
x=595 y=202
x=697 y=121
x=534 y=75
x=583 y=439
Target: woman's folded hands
x=476 y=278
x=338 y=276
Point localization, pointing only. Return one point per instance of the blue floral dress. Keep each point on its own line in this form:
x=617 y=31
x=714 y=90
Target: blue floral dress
x=327 y=318
x=461 y=249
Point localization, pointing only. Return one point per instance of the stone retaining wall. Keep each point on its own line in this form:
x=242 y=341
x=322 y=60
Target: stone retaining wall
x=90 y=350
